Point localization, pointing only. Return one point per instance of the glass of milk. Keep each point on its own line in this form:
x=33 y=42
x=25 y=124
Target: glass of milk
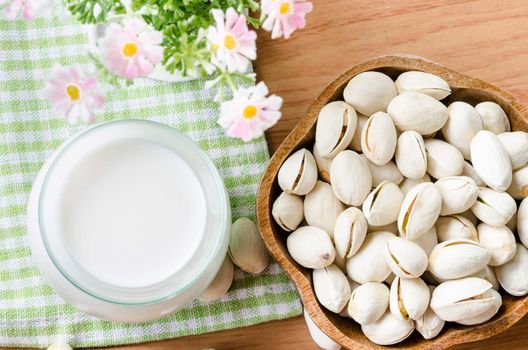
x=129 y=220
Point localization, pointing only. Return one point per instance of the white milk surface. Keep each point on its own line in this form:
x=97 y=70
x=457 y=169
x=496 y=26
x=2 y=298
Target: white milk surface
x=132 y=213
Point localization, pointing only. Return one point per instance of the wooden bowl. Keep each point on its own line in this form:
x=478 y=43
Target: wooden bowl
x=343 y=330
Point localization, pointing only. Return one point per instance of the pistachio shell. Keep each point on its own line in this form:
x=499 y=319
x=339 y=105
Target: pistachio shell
x=392 y=228
x=331 y=287
x=350 y=177
x=221 y=282
x=493 y=117
x=349 y=233
x=495 y=304
x=409 y=298
x=320 y=338
x=491 y=160
x=405 y=258
x=522 y=222
x=443 y=159
x=335 y=128
x=459 y=193
x=410 y=155
x=355 y=144
x=367 y=265
x=59 y=345
x=516 y=144
x=419 y=211
x=458 y=258
x=368 y=302
x=298 y=173
x=321 y=207
x=370 y=92
x=429 y=325
x=388 y=330
x=488 y=274
x=427 y=241
x=493 y=207
x=378 y=138
x=340 y=262
x=288 y=211
x=311 y=247
x=512 y=276
x=426 y=83
x=455 y=227
x=384 y=172
x=468 y=214
x=469 y=171
x=323 y=165
x=417 y=111
x=246 y=247
x=382 y=205
x=500 y=242
x=519 y=185
x=408 y=184
x=463 y=123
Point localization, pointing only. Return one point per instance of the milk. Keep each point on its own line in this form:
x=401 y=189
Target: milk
x=132 y=213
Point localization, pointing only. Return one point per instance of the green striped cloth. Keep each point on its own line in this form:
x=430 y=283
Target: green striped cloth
x=31 y=314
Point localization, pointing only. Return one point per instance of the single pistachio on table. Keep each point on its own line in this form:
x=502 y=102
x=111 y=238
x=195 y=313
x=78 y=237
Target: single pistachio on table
x=355 y=144
x=392 y=228
x=500 y=242
x=419 y=211
x=298 y=173
x=429 y=325
x=368 y=265
x=378 y=138
x=426 y=83
x=331 y=287
x=459 y=193
x=491 y=160
x=321 y=207
x=455 y=227
x=493 y=207
x=427 y=241
x=516 y=144
x=522 y=222
x=323 y=165
x=512 y=275
x=409 y=298
x=246 y=247
x=318 y=336
x=408 y=184
x=493 y=117
x=288 y=211
x=368 y=302
x=463 y=123
x=60 y=345
x=386 y=172
x=489 y=275
x=519 y=185
x=382 y=205
x=410 y=155
x=370 y=92
x=350 y=177
x=443 y=159
x=405 y=258
x=349 y=232
x=469 y=171
x=335 y=128
x=311 y=247
x=458 y=258
x=221 y=283
x=388 y=330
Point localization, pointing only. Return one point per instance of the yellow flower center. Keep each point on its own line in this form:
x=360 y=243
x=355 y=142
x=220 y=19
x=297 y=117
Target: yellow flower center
x=284 y=8
x=250 y=112
x=73 y=92
x=229 y=42
x=129 y=50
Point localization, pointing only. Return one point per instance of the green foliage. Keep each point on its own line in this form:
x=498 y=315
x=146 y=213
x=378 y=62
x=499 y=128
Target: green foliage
x=93 y=11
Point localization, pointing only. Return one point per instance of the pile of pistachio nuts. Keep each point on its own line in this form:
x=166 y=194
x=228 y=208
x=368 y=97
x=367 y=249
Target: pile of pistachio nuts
x=410 y=212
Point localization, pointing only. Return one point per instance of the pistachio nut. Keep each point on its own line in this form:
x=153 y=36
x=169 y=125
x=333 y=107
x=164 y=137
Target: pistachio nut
x=350 y=177
x=321 y=207
x=493 y=117
x=455 y=227
x=405 y=258
x=323 y=165
x=419 y=210
x=522 y=222
x=488 y=274
x=378 y=138
x=491 y=160
x=288 y=211
x=221 y=283
x=349 y=232
x=417 y=111
x=443 y=159
x=459 y=193
x=410 y=155
x=429 y=325
x=469 y=171
x=500 y=242
x=384 y=172
x=367 y=265
x=311 y=247
x=388 y=330
x=408 y=184
x=427 y=241
x=382 y=205
x=463 y=123
x=466 y=300
x=516 y=144
x=409 y=298
x=458 y=258
x=512 y=276
x=335 y=128
x=246 y=247
x=392 y=228
x=320 y=338
x=493 y=207
x=298 y=173
x=355 y=144
x=368 y=302
x=331 y=287
x=370 y=92
x=519 y=185
x=426 y=83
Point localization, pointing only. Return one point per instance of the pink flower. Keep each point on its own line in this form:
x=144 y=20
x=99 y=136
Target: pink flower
x=284 y=16
x=14 y=7
x=131 y=50
x=233 y=42
x=250 y=112
x=73 y=95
